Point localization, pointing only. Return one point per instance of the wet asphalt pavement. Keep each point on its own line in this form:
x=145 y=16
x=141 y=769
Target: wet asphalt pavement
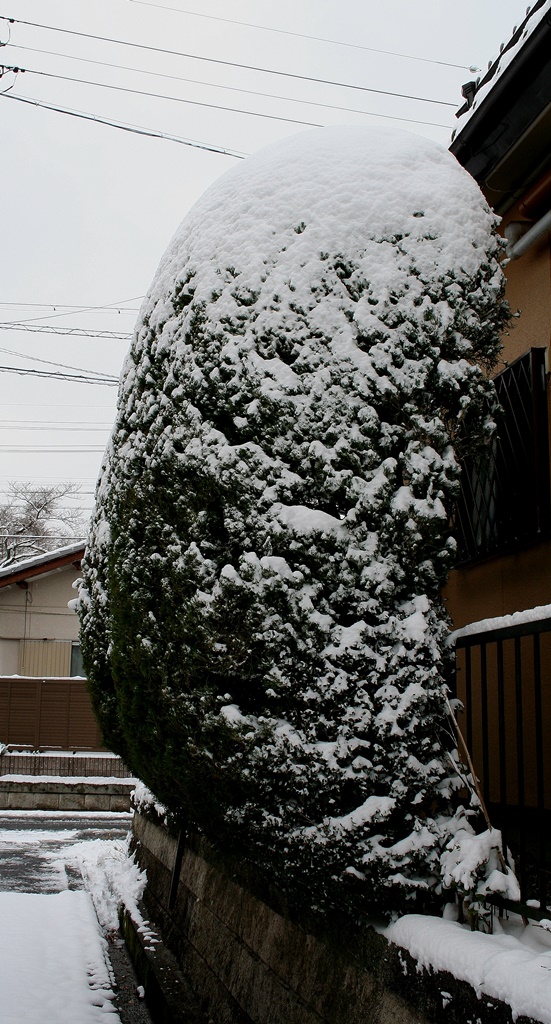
x=29 y=842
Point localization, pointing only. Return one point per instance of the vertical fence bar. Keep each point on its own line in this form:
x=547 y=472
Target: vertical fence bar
x=469 y=698
x=520 y=766
x=38 y=713
x=485 y=730
x=540 y=796
x=68 y=686
x=8 y=723
x=502 y=743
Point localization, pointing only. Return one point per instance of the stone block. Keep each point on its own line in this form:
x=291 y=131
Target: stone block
x=72 y=802
x=21 y=800
x=40 y=786
x=46 y=801
x=97 y=802
x=120 y=802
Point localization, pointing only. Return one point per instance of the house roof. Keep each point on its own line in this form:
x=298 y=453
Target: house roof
x=505 y=125
x=41 y=565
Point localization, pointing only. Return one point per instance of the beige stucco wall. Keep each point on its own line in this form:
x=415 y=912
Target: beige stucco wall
x=528 y=290
x=499 y=586
x=38 y=613
x=9 y=657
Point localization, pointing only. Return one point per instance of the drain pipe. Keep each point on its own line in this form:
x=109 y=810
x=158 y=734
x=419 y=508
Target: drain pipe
x=517 y=247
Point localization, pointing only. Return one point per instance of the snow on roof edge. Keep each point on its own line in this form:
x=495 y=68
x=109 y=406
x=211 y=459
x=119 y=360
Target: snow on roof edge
x=497 y=66
x=38 y=560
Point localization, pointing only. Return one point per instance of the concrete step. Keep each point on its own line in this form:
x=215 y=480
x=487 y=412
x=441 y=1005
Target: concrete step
x=50 y=793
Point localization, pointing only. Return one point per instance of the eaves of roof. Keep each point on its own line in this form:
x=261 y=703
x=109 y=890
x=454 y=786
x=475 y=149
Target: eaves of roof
x=504 y=143
x=41 y=565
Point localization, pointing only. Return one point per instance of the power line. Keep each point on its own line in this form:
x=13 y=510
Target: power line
x=303 y=35
x=227 y=88
x=150 y=133
x=49 y=362
x=50 y=476
x=50 y=449
x=15 y=536
x=226 y=63
x=66 y=332
x=64 y=423
x=82 y=479
x=60 y=305
x=106 y=381
x=19 y=503
x=32 y=423
x=132 y=129
x=59 y=405
x=109 y=307
x=172 y=99
x=50 y=427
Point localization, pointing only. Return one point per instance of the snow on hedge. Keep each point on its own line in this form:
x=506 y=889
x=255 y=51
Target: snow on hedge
x=261 y=620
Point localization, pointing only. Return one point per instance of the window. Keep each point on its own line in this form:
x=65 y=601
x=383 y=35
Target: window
x=77 y=668
x=505 y=499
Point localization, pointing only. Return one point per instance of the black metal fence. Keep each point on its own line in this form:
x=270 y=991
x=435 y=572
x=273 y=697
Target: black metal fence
x=503 y=678
x=505 y=492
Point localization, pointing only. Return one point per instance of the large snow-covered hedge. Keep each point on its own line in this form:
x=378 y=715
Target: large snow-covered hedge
x=261 y=619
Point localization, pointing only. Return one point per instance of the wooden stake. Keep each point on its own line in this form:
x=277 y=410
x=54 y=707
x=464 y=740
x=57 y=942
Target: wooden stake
x=476 y=783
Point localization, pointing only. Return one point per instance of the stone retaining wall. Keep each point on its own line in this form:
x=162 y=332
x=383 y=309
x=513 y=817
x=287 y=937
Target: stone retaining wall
x=49 y=794
x=250 y=959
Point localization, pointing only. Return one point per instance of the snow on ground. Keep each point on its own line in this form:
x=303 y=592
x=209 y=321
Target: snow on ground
x=513 y=964
x=52 y=960
x=110 y=876
x=53 y=950
x=38 y=837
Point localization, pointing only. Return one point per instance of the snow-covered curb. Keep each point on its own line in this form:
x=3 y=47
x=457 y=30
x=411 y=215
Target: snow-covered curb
x=512 y=965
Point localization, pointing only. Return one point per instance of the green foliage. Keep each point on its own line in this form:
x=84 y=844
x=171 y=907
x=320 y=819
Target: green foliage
x=261 y=619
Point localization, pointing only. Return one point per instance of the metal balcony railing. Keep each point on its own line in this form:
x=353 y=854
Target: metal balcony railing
x=505 y=493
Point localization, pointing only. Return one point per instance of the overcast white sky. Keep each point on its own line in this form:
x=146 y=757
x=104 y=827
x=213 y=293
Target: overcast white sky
x=87 y=209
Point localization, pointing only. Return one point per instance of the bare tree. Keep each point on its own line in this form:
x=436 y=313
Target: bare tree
x=35 y=519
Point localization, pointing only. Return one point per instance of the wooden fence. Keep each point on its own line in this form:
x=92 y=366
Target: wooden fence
x=503 y=678
x=51 y=713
